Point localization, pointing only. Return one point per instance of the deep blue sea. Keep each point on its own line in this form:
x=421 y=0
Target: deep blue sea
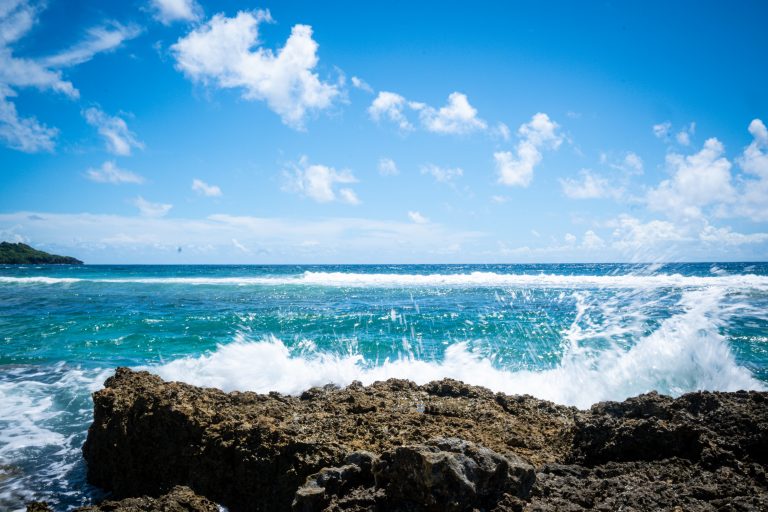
x=574 y=334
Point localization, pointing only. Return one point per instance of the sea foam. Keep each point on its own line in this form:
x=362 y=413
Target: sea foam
x=685 y=353
x=473 y=279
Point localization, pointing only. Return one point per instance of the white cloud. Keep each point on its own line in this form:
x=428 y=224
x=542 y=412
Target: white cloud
x=390 y=106
x=442 y=174
x=589 y=186
x=153 y=210
x=100 y=39
x=222 y=51
x=661 y=130
x=119 y=139
x=631 y=234
x=698 y=181
x=347 y=195
x=456 y=117
x=631 y=164
x=361 y=84
x=517 y=169
x=503 y=131
x=499 y=199
x=684 y=136
x=753 y=200
x=23 y=134
x=111 y=173
x=755 y=157
x=388 y=167
x=116 y=238
x=592 y=241
x=570 y=238
x=168 y=11
x=205 y=189
x=417 y=217
x=17 y=18
x=728 y=237
x=240 y=246
x=318 y=182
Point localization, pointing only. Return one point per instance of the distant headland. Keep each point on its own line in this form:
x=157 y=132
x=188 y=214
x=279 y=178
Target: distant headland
x=23 y=254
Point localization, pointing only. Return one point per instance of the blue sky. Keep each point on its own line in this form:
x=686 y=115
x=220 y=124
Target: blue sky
x=181 y=131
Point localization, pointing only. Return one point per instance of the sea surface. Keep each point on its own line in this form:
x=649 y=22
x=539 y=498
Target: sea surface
x=574 y=334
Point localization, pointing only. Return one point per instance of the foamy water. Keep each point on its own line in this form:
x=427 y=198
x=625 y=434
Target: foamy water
x=571 y=334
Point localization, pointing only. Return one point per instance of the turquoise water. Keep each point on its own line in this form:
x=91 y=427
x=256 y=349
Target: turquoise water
x=574 y=334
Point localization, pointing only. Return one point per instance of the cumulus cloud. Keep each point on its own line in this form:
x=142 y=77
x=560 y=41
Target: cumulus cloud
x=227 y=53
x=516 y=169
x=111 y=173
x=753 y=201
x=390 y=106
x=456 y=117
x=168 y=11
x=388 y=167
x=417 y=217
x=442 y=174
x=119 y=139
x=698 y=180
x=149 y=209
x=631 y=234
x=589 y=186
x=319 y=182
x=17 y=18
x=205 y=189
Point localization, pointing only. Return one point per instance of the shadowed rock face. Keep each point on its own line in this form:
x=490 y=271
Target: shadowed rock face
x=442 y=446
x=179 y=499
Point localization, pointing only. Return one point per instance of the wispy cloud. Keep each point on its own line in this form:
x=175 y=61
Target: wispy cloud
x=111 y=173
x=417 y=217
x=205 y=189
x=17 y=18
x=149 y=209
x=388 y=167
x=442 y=174
x=119 y=139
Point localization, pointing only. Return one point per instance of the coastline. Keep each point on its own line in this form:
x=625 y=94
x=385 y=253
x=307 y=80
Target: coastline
x=395 y=445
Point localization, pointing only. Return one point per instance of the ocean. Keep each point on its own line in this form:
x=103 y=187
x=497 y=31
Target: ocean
x=573 y=334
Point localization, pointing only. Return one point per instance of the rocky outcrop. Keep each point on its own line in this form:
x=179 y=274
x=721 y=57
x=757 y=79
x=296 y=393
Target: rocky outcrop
x=449 y=475
x=397 y=446
x=179 y=499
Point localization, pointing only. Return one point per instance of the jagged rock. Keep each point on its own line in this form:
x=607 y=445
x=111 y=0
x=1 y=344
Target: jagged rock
x=39 y=506
x=714 y=428
x=179 y=499
x=449 y=475
x=367 y=448
x=251 y=452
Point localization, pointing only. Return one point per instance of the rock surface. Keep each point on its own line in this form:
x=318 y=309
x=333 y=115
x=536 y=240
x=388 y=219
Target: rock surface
x=179 y=499
x=443 y=446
